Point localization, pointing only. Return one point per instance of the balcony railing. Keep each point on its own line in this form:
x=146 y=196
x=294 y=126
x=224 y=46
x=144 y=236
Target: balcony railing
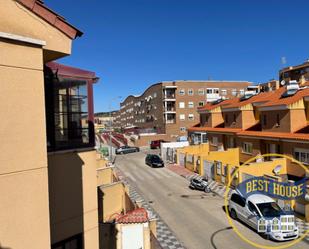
x=170 y=121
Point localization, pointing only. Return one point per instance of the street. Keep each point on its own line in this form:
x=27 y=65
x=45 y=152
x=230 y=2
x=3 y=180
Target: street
x=196 y=218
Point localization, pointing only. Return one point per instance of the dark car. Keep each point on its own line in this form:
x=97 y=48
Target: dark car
x=156 y=144
x=126 y=149
x=154 y=161
x=200 y=184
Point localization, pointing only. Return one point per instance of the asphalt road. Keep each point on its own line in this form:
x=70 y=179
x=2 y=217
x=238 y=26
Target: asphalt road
x=197 y=219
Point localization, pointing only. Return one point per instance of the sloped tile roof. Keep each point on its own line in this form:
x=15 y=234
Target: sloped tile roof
x=282 y=135
x=138 y=215
x=215 y=129
x=40 y=9
x=210 y=106
x=288 y=100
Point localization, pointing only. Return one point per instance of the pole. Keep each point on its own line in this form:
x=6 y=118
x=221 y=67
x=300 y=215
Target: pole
x=110 y=135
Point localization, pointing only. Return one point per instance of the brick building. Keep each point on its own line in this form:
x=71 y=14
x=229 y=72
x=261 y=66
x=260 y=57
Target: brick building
x=169 y=107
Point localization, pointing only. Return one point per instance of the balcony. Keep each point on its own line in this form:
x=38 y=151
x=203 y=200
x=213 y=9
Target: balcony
x=169 y=94
x=170 y=109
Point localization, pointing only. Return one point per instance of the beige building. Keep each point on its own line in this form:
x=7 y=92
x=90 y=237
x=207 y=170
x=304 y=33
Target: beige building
x=168 y=108
x=48 y=192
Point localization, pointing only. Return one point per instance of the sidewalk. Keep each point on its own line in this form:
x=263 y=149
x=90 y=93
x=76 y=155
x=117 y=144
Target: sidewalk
x=215 y=187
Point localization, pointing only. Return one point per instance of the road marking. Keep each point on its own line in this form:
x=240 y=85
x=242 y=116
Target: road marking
x=169 y=172
x=162 y=173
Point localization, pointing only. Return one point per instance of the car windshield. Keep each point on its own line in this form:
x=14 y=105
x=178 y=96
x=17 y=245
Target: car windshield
x=156 y=158
x=270 y=209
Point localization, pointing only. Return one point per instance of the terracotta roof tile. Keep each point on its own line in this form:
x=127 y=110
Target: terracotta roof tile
x=261 y=97
x=215 y=129
x=138 y=215
x=288 y=100
x=282 y=135
x=40 y=9
x=210 y=106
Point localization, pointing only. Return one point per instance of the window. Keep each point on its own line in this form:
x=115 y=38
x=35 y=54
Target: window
x=252 y=208
x=201 y=91
x=241 y=91
x=216 y=90
x=247 y=148
x=209 y=90
x=215 y=141
x=181 y=104
x=182 y=117
x=223 y=92
x=191 y=104
x=190 y=92
x=278 y=120
x=234 y=118
x=301 y=155
x=226 y=118
x=183 y=129
x=234 y=92
x=238 y=200
x=191 y=117
x=201 y=103
x=182 y=92
x=67 y=112
x=154 y=95
x=264 y=120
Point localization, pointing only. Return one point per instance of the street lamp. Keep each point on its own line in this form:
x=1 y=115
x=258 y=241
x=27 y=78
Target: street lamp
x=110 y=127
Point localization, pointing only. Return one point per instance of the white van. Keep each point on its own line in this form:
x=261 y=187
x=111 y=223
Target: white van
x=264 y=215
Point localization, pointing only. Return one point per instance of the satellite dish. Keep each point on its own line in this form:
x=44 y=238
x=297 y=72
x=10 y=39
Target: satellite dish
x=277 y=169
x=282 y=83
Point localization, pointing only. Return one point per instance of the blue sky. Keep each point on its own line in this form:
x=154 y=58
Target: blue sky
x=131 y=44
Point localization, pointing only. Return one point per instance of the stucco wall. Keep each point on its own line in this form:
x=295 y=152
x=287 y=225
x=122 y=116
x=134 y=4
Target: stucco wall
x=113 y=199
x=73 y=196
x=18 y=20
x=24 y=215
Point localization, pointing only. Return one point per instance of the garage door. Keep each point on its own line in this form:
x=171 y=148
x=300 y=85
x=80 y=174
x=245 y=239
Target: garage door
x=182 y=158
x=132 y=237
x=208 y=169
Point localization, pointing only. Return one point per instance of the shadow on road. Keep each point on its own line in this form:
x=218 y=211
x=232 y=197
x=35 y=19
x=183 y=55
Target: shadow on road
x=212 y=238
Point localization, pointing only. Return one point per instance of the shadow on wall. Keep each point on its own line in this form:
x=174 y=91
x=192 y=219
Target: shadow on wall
x=107 y=235
x=1 y=247
x=65 y=179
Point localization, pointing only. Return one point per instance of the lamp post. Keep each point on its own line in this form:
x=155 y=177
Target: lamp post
x=110 y=128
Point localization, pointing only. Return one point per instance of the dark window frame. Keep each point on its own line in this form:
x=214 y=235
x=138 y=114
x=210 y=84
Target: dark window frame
x=51 y=79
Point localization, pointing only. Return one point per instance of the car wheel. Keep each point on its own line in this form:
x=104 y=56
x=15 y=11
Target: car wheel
x=233 y=214
x=207 y=190
x=121 y=152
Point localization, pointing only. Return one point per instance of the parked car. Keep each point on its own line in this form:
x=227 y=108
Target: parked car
x=156 y=144
x=126 y=149
x=261 y=207
x=200 y=184
x=154 y=160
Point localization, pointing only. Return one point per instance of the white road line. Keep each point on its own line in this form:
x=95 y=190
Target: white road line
x=154 y=174
x=169 y=172
x=162 y=173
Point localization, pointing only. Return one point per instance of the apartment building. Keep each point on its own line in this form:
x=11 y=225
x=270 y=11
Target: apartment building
x=273 y=122
x=298 y=73
x=169 y=107
x=48 y=177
